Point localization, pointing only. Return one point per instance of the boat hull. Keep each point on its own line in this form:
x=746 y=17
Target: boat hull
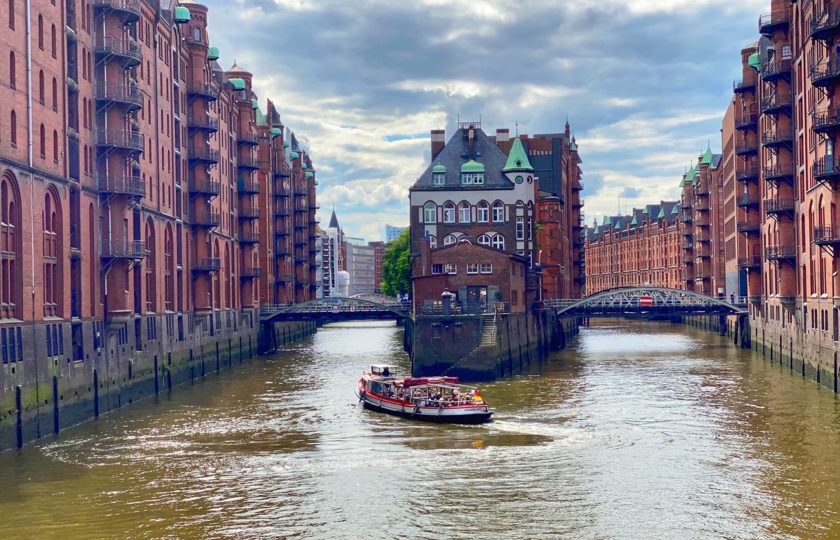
x=446 y=415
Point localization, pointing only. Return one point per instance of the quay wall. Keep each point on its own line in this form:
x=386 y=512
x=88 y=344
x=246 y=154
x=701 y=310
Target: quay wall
x=810 y=355
x=464 y=346
x=106 y=367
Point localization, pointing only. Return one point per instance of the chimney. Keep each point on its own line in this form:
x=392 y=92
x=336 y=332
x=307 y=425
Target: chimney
x=502 y=135
x=438 y=142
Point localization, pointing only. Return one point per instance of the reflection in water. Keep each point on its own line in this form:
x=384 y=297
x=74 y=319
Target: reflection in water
x=638 y=430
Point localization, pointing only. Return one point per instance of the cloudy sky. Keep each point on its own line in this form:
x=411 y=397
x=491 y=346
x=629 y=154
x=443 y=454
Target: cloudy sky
x=644 y=84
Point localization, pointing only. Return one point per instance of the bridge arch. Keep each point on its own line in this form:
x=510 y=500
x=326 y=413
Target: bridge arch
x=648 y=300
x=331 y=309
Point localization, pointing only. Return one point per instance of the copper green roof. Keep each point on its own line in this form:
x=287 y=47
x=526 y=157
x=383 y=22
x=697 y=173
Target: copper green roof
x=316 y=182
x=213 y=53
x=617 y=225
x=472 y=166
x=255 y=104
x=294 y=155
x=438 y=169
x=754 y=61
x=309 y=175
x=573 y=147
x=635 y=220
x=238 y=83
x=276 y=132
x=517 y=160
x=661 y=213
x=607 y=220
x=646 y=211
x=286 y=144
x=182 y=14
x=676 y=210
x=707 y=157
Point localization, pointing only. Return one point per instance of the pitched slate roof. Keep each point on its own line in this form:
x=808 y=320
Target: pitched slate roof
x=456 y=153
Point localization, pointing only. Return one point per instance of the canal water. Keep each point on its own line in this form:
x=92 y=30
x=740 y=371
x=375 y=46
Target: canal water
x=638 y=430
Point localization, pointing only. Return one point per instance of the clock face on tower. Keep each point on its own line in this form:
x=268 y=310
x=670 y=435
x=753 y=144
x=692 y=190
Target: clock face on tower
x=519 y=179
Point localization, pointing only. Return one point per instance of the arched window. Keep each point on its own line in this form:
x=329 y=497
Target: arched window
x=484 y=240
x=150 y=264
x=168 y=270
x=12 y=70
x=13 y=128
x=11 y=283
x=53 y=263
x=53 y=42
x=41 y=92
x=12 y=14
x=498 y=242
x=498 y=212
x=197 y=33
x=433 y=242
x=41 y=32
x=450 y=239
x=464 y=212
x=217 y=286
x=55 y=146
x=430 y=212
x=482 y=212
x=43 y=140
x=449 y=212
x=55 y=94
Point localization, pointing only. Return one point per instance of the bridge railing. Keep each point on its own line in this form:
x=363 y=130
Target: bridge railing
x=459 y=308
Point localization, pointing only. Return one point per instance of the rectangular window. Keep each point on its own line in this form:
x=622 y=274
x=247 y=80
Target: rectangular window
x=437 y=269
x=486 y=268
x=514 y=297
x=472 y=269
x=520 y=228
x=439 y=179
x=451 y=269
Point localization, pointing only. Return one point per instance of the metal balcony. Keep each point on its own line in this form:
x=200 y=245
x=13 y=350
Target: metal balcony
x=203 y=154
x=207 y=265
x=776 y=69
x=776 y=103
x=122 y=139
x=282 y=212
x=778 y=173
x=251 y=273
x=687 y=246
x=133 y=186
x=771 y=22
x=827 y=169
x=205 y=219
x=248 y=187
x=119 y=94
x=749 y=174
x=825 y=73
x=746 y=148
x=249 y=139
x=283 y=279
x=826 y=120
x=203 y=90
x=744 y=85
x=778 y=207
x=746 y=122
x=301 y=226
x=249 y=238
x=282 y=170
x=688 y=259
x=123 y=49
x=281 y=232
x=827 y=236
x=780 y=253
x=825 y=24
x=202 y=122
x=281 y=191
x=777 y=137
x=747 y=201
x=123 y=249
x=249 y=213
x=205 y=186
x=128 y=9
x=703 y=253
x=702 y=206
x=749 y=228
x=750 y=263
x=248 y=163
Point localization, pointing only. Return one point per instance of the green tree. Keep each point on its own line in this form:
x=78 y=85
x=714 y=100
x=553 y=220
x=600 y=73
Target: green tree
x=396 y=266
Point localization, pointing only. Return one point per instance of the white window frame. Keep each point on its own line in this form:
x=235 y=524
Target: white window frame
x=450 y=239
x=464 y=212
x=484 y=240
x=450 y=269
x=449 y=212
x=482 y=213
x=472 y=268
x=520 y=228
x=486 y=268
x=498 y=212
x=498 y=242
x=439 y=179
x=437 y=269
x=430 y=212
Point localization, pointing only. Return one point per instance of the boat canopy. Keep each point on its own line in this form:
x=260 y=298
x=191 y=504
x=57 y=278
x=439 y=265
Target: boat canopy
x=412 y=381
x=382 y=369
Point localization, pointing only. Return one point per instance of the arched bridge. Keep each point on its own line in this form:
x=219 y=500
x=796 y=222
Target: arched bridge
x=324 y=310
x=647 y=301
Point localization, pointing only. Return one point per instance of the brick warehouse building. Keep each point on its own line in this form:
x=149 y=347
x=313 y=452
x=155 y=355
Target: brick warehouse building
x=138 y=183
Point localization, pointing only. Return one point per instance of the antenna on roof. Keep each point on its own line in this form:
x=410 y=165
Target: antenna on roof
x=517 y=128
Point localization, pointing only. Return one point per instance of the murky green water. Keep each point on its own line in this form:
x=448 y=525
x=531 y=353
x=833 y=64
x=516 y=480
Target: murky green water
x=637 y=431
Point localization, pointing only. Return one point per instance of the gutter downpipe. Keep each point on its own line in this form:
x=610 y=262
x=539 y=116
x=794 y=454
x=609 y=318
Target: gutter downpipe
x=30 y=141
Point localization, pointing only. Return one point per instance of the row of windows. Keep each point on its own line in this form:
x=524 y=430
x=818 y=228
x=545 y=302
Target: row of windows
x=12 y=345
x=467 y=179
x=465 y=213
x=496 y=241
x=472 y=269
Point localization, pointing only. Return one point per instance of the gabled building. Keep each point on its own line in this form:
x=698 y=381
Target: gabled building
x=473 y=194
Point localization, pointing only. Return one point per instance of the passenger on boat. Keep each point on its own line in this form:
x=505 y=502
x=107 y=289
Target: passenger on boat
x=386 y=372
